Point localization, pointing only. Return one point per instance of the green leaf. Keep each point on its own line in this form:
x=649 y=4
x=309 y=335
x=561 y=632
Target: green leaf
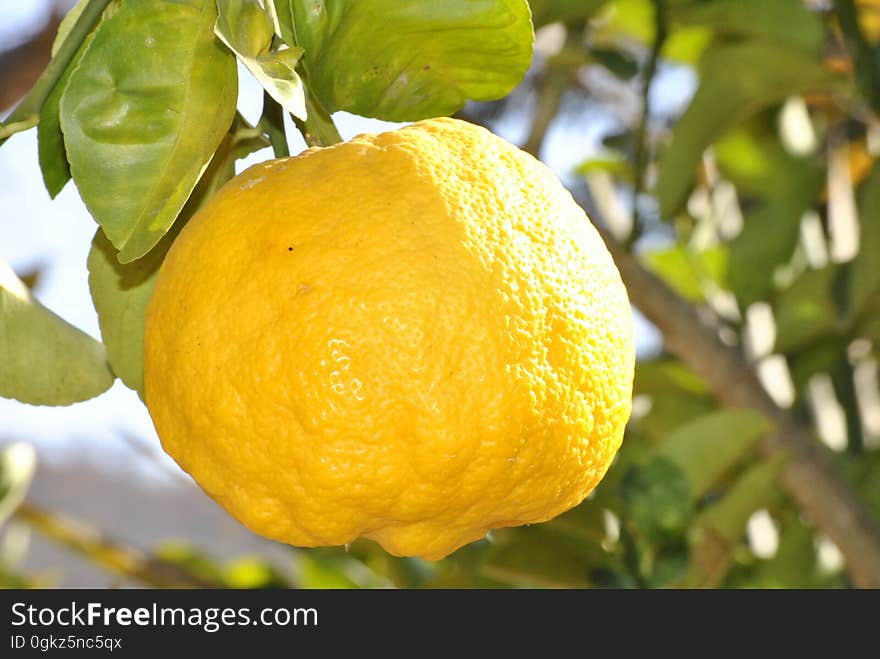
x=677 y=396
x=687 y=271
x=687 y=45
x=399 y=572
x=613 y=162
x=617 y=62
x=66 y=24
x=795 y=563
x=152 y=97
x=122 y=291
x=767 y=241
x=706 y=448
x=809 y=309
x=585 y=521
x=865 y=276
x=18 y=462
x=562 y=11
x=322 y=569
x=26 y=113
x=50 y=140
x=719 y=527
x=658 y=376
x=755 y=488
x=52 y=155
x=247 y=28
x=284 y=21
x=736 y=82
x=753 y=158
x=780 y=21
x=403 y=61
x=246 y=139
x=627 y=20
x=192 y=560
x=816 y=357
x=535 y=556
x=253 y=572
x=43 y=359
x=65 y=27
x=633 y=19
x=657 y=498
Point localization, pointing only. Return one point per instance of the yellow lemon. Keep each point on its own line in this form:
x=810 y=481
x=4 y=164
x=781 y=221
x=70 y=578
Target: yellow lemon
x=413 y=337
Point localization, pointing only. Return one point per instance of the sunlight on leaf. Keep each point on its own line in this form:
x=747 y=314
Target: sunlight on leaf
x=247 y=28
x=133 y=115
x=404 y=61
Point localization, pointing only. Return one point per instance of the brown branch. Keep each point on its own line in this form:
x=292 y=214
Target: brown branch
x=809 y=477
x=641 y=155
x=21 y=66
x=551 y=88
x=109 y=554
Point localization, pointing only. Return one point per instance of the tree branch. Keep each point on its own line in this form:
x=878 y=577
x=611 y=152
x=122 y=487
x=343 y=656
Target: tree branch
x=550 y=88
x=809 y=476
x=30 y=106
x=272 y=124
x=641 y=155
x=110 y=555
x=21 y=66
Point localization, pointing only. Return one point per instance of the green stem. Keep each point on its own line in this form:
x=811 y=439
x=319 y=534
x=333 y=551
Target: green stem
x=26 y=115
x=551 y=89
x=844 y=387
x=272 y=124
x=640 y=159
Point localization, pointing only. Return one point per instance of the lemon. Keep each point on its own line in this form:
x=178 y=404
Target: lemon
x=413 y=337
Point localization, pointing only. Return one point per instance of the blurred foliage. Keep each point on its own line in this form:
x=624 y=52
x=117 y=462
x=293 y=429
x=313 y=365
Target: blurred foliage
x=766 y=198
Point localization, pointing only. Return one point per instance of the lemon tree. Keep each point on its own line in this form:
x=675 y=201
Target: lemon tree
x=414 y=344
x=443 y=349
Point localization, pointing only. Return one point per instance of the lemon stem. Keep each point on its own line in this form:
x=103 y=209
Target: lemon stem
x=318 y=129
x=272 y=125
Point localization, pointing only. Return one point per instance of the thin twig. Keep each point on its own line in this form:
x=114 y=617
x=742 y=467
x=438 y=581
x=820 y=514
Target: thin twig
x=550 y=89
x=642 y=151
x=109 y=554
x=22 y=65
x=272 y=125
x=30 y=106
x=809 y=476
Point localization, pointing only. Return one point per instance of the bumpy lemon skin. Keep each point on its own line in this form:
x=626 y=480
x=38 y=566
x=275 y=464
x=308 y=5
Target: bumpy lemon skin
x=414 y=337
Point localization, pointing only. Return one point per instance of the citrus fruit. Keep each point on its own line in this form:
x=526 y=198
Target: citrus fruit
x=414 y=337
